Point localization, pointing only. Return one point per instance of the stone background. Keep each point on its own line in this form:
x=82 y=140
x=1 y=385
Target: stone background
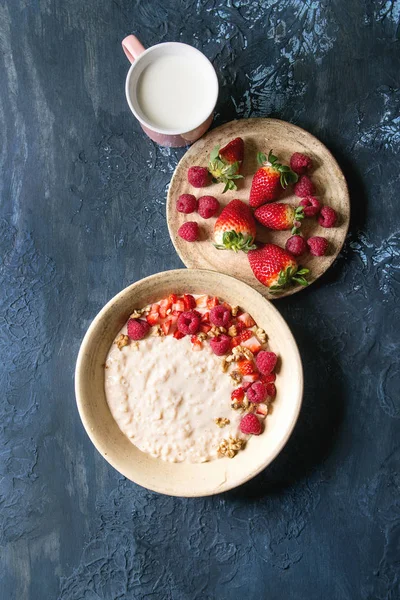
x=83 y=215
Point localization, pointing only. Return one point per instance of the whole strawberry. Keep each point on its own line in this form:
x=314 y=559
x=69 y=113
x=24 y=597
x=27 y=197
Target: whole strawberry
x=270 y=179
x=275 y=268
x=280 y=216
x=225 y=163
x=235 y=228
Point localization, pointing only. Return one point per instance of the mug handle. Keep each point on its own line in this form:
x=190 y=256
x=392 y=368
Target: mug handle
x=132 y=47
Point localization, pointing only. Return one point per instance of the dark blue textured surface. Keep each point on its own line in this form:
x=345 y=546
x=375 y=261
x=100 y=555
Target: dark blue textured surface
x=83 y=214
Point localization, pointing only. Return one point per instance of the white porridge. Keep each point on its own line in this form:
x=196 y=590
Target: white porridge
x=165 y=397
x=188 y=379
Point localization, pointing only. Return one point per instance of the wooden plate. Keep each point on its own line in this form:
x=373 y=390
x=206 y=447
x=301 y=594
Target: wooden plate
x=259 y=135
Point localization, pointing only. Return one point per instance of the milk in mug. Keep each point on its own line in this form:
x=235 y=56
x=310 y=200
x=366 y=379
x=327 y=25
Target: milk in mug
x=173 y=92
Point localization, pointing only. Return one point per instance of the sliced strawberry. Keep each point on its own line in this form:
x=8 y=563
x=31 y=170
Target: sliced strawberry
x=178 y=335
x=153 y=318
x=165 y=305
x=189 y=301
x=197 y=345
x=246 y=335
x=205 y=328
x=212 y=301
x=238 y=394
x=228 y=306
x=205 y=318
x=179 y=305
x=251 y=378
x=236 y=341
x=262 y=410
x=166 y=326
x=252 y=343
x=172 y=298
x=201 y=301
x=246 y=319
x=246 y=367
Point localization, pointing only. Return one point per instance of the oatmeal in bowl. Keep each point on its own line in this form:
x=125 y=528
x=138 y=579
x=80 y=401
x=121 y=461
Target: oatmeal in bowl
x=189 y=378
x=189 y=382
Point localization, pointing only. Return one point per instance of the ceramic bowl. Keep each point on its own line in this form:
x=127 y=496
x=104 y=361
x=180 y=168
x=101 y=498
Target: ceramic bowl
x=184 y=479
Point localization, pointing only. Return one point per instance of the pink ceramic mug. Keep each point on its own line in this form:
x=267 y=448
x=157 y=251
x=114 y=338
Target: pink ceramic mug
x=172 y=89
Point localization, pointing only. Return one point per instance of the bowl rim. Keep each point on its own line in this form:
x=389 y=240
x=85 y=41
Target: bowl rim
x=97 y=439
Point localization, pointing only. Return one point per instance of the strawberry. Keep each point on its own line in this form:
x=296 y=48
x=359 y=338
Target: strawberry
x=179 y=305
x=201 y=301
x=246 y=319
x=246 y=367
x=275 y=268
x=252 y=344
x=212 y=301
x=165 y=305
x=178 y=335
x=152 y=318
x=251 y=377
x=166 y=326
x=189 y=301
x=225 y=163
x=280 y=216
x=270 y=179
x=235 y=228
x=196 y=343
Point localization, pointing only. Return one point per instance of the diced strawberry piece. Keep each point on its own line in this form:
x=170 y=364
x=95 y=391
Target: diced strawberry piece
x=155 y=308
x=246 y=335
x=236 y=341
x=205 y=328
x=246 y=367
x=205 y=317
x=178 y=335
x=153 y=318
x=165 y=305
x=172 y=298
x=179 y=305
x=246 y=319
x=238 y=394
x=212 y=301
x=262 y=410
x=228 y=306
x=201 y=301
x=197 y=345
x=166 y=326
x=189 y=301
x=251 y=378
x=252 y=344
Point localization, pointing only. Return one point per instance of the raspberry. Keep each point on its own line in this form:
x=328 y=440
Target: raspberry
x=189 y=231
x=186 y=203
x=137 y=329
x=257 y=392
x=250 y=424
x=220 y=344
x=317 y=245
x=266 y=362
x=198 y=177
x=220 y=316
x=327 y=217
x=238 y=394
x=296 y=245
x=311 y=206
x=299 y=163
x=271 y=390
x=188 y=322
x=269 y=378
x=208 y=206
x=304 y=187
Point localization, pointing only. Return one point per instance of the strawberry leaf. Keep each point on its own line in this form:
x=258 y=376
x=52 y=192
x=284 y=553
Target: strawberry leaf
x=261 y=158
x=214 y=154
